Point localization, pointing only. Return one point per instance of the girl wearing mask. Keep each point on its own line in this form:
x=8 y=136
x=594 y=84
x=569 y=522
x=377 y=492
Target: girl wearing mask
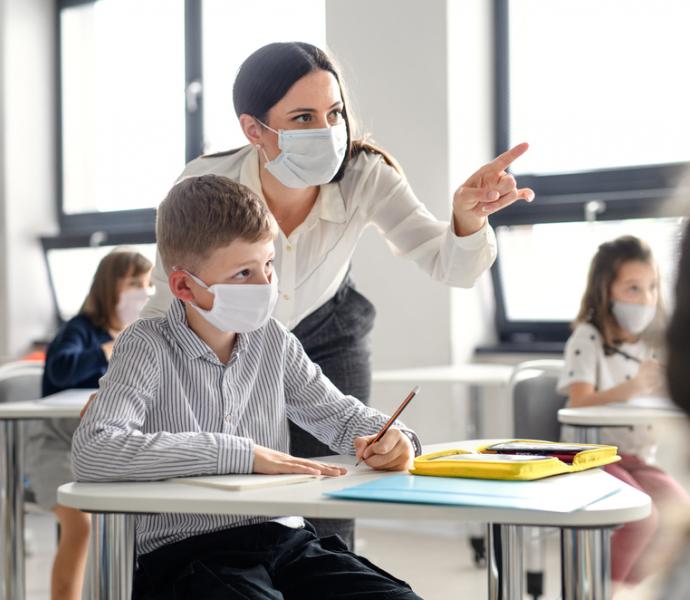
x=612 y=356
x=77 y=358
x=324 y=187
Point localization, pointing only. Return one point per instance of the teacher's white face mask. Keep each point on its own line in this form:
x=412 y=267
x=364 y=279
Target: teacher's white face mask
x=239 y=307
x=308 y=156
x=634 y=318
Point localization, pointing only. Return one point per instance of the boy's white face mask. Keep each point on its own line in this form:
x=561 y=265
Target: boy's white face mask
x=308 y=156
x=130 y=305
x=239 y=307
x=634 y=318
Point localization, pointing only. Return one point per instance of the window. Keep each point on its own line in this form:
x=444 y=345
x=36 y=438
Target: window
x=594 y=87
x=71 y=262
x=144 y=87
x=257 y=24
x=122 y=100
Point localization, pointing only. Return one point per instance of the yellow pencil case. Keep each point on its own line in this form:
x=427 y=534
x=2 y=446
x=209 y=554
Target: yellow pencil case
x=521 y=460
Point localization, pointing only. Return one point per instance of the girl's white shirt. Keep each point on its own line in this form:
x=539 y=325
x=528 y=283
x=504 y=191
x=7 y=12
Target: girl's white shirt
x=586 y=362
x=313 y=260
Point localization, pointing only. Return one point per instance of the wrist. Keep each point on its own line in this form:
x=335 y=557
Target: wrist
x=467 y=223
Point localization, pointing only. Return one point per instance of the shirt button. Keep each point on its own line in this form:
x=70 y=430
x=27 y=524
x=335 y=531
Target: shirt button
x=286 y=296
x=228 y=418
x=288 y=247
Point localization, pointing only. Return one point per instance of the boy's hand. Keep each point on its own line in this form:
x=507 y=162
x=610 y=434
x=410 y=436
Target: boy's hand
x=393 y=452
x=272 y=462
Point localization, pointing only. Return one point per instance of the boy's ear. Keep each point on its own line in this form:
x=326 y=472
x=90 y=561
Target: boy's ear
x=177 y=281
x=251 y=128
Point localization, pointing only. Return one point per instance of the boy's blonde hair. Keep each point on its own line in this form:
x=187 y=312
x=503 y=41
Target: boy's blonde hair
x=204 y=213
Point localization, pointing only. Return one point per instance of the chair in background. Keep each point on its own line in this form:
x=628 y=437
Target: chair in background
x=535 y=416
x=20 y=381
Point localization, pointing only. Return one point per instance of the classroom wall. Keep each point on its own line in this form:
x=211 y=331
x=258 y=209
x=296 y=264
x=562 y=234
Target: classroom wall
x=409 y=67
x=420 y=77
x=27 y=179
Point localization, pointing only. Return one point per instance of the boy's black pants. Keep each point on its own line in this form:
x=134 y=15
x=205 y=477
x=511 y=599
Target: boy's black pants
x=267 y=561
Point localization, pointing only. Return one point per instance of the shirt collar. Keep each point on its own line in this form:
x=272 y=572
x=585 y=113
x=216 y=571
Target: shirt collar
x=192 y=345
x=330 y=205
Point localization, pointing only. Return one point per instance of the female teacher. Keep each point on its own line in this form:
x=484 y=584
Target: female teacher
x=324 y=188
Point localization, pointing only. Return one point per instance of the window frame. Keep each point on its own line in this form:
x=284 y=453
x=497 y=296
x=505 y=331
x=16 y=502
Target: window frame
x=623 y=193
x=142 y=220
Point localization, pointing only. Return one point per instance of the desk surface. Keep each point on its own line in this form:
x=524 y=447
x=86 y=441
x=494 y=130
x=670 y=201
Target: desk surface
x=616 y=415
x=471 y=374
x=307 y=499
x=64 y=404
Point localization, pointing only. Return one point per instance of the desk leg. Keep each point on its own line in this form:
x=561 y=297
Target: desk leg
x=586 y=564
x=12 y=582
x=504 y=555
x=112 y=554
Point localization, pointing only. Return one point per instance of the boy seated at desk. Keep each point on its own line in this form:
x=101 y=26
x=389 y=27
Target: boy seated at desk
x=208 y=389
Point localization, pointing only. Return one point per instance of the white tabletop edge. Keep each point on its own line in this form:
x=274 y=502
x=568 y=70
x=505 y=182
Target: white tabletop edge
x=307 y=499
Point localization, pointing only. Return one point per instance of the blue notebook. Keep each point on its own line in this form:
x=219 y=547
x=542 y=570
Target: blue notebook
x=563 y=493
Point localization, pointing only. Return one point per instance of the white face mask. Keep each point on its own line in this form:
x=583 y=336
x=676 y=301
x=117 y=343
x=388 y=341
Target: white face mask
x=308 y=156
x=634 y=318
x=239 y=307
x=130 y=305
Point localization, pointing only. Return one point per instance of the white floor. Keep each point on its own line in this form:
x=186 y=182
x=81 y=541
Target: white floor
x=437 y=564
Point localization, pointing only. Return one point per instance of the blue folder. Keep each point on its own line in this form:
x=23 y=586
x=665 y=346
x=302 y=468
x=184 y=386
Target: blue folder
x=563 y=493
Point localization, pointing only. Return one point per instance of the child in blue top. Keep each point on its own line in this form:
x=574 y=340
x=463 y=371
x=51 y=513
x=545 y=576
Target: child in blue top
x=77 y=358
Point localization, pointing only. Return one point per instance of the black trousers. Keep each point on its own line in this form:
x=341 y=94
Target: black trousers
x=336 y=336
x=267 y=561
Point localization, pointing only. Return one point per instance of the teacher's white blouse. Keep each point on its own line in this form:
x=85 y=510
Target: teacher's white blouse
x=313 y=260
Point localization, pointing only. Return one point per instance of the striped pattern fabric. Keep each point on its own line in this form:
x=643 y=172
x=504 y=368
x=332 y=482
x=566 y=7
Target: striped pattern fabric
x=167 y=407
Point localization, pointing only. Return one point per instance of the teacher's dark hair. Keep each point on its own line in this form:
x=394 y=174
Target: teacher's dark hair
x=267 y=75
x=678 y=335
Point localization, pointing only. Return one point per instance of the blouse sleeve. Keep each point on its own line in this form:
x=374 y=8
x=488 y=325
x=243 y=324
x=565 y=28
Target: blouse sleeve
x=580 y=358
x=411 y=231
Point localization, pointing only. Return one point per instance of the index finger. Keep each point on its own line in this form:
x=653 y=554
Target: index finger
x=503 y=161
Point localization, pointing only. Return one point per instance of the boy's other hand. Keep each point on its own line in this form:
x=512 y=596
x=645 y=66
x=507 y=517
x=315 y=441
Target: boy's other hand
x=272 y=462
x=393 y=452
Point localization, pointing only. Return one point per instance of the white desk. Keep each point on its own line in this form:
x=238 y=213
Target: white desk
x=475 y=376
x=584 y=549
x=587 y=420
x=12 y=418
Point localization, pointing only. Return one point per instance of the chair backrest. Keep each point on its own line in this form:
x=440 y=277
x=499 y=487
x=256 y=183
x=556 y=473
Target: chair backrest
x=20 y=381
x=535 y=400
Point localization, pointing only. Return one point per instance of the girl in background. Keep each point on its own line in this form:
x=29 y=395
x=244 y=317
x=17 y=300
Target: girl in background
x=612 y=356
x=77 y=358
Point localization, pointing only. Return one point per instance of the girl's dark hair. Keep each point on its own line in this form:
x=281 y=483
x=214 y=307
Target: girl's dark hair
x=595 y=307
x=267 y=75
x=101 y=301
x=678 y=335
